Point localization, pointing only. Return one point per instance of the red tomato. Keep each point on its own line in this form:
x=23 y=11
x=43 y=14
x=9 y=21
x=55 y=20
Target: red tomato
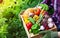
x=29 y=25
x=37 y=11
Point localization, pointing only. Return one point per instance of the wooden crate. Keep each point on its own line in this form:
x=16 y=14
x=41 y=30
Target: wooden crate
x=31 y=35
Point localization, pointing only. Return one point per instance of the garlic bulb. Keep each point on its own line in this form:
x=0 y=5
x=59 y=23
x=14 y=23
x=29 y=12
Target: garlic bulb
x=42 y=27
x=50 y=20
x=50 y=25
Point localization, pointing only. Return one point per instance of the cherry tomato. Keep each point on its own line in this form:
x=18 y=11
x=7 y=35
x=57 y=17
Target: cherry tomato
x=37 y=11
x=29 y=25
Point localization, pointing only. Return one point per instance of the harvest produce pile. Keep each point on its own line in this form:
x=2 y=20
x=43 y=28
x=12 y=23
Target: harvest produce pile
x=38 y=19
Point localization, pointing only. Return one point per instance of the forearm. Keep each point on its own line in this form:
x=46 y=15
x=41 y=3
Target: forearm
x=59 y=34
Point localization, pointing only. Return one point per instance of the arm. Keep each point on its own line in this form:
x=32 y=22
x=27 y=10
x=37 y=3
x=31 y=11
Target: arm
x=59 y=34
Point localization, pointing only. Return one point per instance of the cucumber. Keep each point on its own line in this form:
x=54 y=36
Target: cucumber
x=40 y=18
x=31 y=20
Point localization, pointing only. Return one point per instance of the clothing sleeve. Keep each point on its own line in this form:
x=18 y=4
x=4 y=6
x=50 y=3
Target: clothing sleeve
x=54 y=35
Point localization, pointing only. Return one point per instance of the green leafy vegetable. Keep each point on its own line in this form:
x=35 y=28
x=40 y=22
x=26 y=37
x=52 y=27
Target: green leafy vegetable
x=44 y=6
x=10 y=25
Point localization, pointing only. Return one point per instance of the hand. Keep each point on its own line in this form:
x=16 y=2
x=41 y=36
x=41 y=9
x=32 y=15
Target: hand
x=49 y=34
x=46 y=34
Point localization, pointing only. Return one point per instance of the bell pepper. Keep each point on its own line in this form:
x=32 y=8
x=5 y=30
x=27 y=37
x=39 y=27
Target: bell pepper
x=36 y=17
x=35 y=29
x=35 y=26
x=26 y=21
x=37 y=11
x=25 y=16
x=29 y=25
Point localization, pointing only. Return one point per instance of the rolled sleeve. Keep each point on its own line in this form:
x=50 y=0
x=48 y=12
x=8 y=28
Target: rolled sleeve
x=54 y=35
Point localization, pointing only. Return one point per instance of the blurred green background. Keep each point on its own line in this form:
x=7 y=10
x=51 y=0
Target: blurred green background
x=10 y=25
